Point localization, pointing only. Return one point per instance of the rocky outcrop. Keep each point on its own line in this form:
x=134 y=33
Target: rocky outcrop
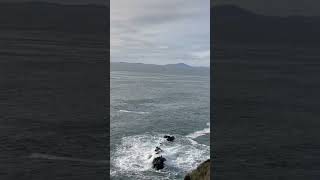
x=169 y=138
x=201 y=173
x=158 y=150
x=158 y=162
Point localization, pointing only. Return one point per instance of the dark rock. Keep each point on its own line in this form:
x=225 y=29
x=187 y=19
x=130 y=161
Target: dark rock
x=158 y=150
x=158 y=163
x=169 y=138
x=201 y=173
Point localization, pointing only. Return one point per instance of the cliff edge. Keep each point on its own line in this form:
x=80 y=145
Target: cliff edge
x=201 y=173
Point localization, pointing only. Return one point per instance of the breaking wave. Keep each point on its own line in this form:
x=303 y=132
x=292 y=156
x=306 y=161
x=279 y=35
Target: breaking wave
x=202 y=132
x=133 y=157
x=135 y=112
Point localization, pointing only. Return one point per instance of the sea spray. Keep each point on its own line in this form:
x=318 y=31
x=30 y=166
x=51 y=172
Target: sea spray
x=135 y=153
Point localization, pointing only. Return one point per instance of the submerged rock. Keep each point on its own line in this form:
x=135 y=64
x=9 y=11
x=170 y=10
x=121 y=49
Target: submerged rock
x=158 y=162
x=158 y=150
x=169 y=138
x=201 y=173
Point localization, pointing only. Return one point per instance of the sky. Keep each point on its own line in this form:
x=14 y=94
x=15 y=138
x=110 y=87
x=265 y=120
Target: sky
x=160 y=31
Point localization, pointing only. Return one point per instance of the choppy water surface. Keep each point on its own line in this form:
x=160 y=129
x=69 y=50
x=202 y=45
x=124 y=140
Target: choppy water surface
x=145 y=107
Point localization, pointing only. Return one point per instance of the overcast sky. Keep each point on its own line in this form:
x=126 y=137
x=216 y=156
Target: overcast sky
x=160 y=32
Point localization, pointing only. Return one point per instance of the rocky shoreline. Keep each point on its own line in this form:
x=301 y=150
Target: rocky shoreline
x=201 y=173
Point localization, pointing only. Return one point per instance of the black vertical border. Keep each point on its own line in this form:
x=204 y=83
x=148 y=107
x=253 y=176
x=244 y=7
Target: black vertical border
x=108 y=59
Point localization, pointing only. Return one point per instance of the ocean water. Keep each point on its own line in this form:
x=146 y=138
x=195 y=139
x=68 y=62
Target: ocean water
x=52 y=105
x=147 y=106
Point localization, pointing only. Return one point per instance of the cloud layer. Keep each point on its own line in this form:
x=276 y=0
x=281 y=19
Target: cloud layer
x=160 y=32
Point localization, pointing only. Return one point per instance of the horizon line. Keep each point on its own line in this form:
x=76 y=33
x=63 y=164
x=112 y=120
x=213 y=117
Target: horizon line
x=157 y=64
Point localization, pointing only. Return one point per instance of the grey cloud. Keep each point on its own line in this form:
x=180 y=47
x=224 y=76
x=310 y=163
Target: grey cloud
x=159 y=32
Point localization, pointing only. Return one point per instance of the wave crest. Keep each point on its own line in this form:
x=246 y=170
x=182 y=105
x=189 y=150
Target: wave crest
x=135 y=112
x=202 y=132
x=134 y=155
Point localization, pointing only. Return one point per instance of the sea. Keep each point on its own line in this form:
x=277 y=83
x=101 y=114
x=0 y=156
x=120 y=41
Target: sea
x=145 y=106
x=52 y=105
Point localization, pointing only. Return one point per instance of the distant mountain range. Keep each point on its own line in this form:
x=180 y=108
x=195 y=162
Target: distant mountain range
x=179 y=68
x=55 y=17
x=231 y=24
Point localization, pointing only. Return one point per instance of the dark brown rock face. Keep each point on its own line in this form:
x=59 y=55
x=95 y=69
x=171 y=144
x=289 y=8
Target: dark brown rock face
x=201 y=173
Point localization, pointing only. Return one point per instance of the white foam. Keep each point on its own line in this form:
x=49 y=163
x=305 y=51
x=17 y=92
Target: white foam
x=135 y=154
x=202 y=132
x=135 y=112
